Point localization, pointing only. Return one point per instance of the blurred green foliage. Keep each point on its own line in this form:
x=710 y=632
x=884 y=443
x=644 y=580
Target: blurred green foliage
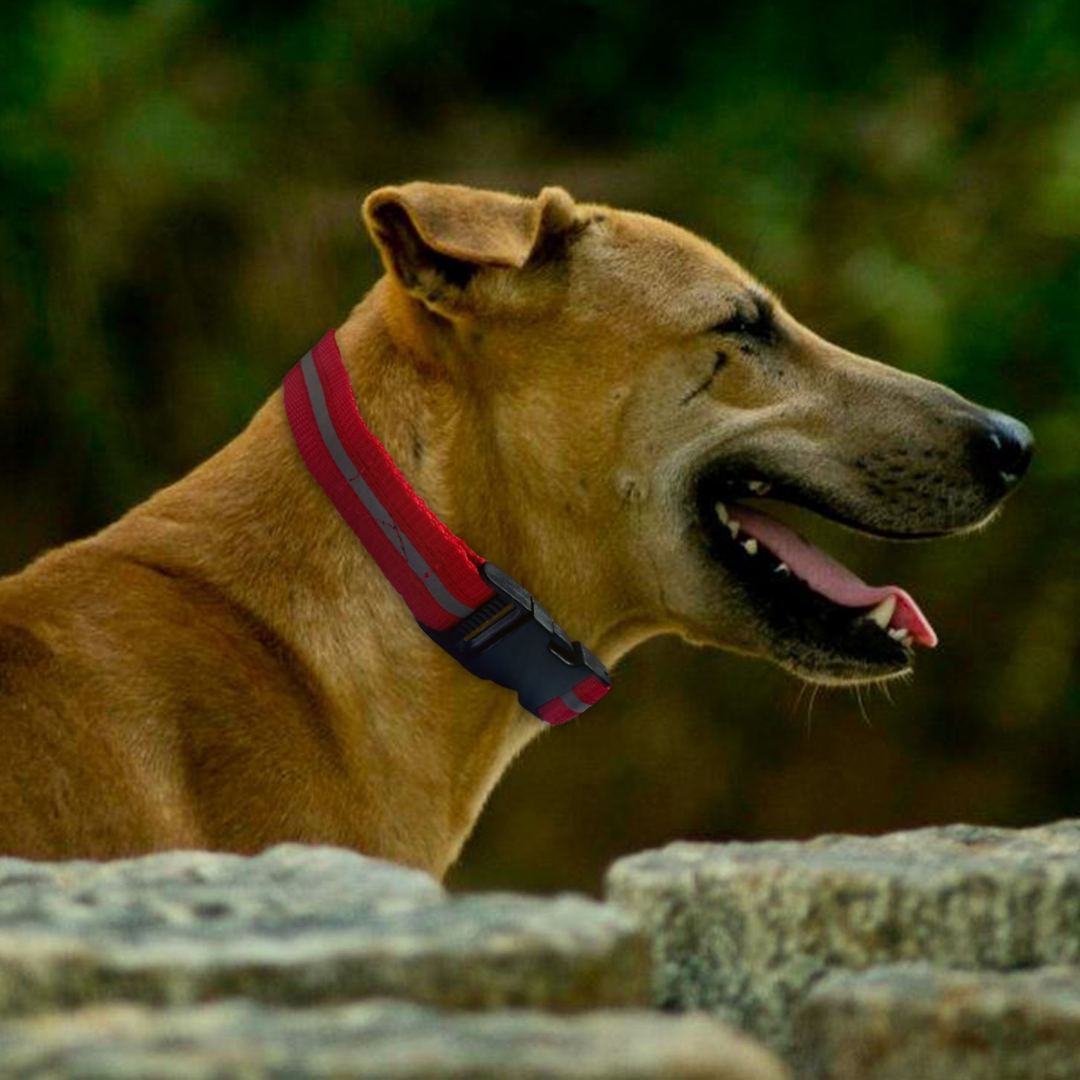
x=179 y=183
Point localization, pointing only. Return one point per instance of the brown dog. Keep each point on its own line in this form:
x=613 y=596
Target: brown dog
x=573 y=390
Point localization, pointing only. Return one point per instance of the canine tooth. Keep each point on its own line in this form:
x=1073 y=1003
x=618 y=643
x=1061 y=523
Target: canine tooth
x=759 y=487
x=733 y=528
x=750 y=546
x=883 y=613
x=898 y=633
x=721 y=512
x=783 y=568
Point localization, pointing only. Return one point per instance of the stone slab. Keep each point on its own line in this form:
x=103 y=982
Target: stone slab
x=745 y=930
x=903 y=1021
x=376 y=1041
x=300 y=926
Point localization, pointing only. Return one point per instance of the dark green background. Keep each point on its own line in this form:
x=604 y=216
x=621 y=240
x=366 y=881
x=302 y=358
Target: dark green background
x=179 y=185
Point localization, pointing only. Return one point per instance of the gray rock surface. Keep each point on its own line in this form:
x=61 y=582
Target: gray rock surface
x=299 y=926
x=912 y=1021
x=385 y=1040
x=746 y=929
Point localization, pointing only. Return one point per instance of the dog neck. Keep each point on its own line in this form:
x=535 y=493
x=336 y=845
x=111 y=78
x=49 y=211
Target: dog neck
x=484 y=619
x=421 y=740
x=482 y=470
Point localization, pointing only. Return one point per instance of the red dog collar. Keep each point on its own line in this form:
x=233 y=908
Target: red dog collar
x=482 y=617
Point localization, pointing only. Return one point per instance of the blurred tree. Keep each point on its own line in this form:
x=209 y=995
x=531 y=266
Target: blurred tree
x=178 y=222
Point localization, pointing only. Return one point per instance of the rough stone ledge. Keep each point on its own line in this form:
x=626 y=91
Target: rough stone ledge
x=903 y=1021
x=302 y=926
x=384 y=1040
x=746 y=929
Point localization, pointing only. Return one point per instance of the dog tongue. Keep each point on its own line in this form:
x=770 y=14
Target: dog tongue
x=826 y=576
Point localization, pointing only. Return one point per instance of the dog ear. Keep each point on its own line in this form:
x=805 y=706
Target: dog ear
x=434 y=238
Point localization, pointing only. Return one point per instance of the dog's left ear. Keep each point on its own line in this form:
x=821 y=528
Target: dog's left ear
x=434 y=238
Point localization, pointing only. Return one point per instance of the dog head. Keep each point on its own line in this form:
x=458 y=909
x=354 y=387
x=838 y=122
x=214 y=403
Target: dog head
x=634 y=394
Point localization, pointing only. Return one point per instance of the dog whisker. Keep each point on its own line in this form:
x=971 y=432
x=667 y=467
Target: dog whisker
x=862 y=706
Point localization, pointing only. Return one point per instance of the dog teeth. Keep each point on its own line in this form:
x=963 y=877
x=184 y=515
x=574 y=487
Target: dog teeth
x=783 y=568
x=898 y=633
x=883 y=613
x=750 y=546
x=725 y=519
x=759 y=487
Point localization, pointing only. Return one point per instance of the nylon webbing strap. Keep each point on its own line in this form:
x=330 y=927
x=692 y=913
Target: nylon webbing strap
x=434 y=571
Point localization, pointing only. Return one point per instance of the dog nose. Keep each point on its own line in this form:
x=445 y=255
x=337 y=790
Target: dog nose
x=1003 y=450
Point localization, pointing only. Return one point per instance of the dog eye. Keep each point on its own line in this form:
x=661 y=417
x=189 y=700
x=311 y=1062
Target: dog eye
x=736 y=324
x=758 y=325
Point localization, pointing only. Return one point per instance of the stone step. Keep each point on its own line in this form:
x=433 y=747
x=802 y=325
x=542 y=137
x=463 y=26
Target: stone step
x=384 y=1040
x=744 y=930
x=300 y=926
x=903 y=1021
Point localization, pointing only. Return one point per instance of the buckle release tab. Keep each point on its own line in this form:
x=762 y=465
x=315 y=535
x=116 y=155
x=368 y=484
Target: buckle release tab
x=513 y=641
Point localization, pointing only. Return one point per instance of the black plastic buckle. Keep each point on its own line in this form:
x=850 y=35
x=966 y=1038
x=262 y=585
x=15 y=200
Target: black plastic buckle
x=513 y=641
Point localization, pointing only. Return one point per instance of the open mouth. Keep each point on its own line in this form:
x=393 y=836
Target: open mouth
x=823 y=616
